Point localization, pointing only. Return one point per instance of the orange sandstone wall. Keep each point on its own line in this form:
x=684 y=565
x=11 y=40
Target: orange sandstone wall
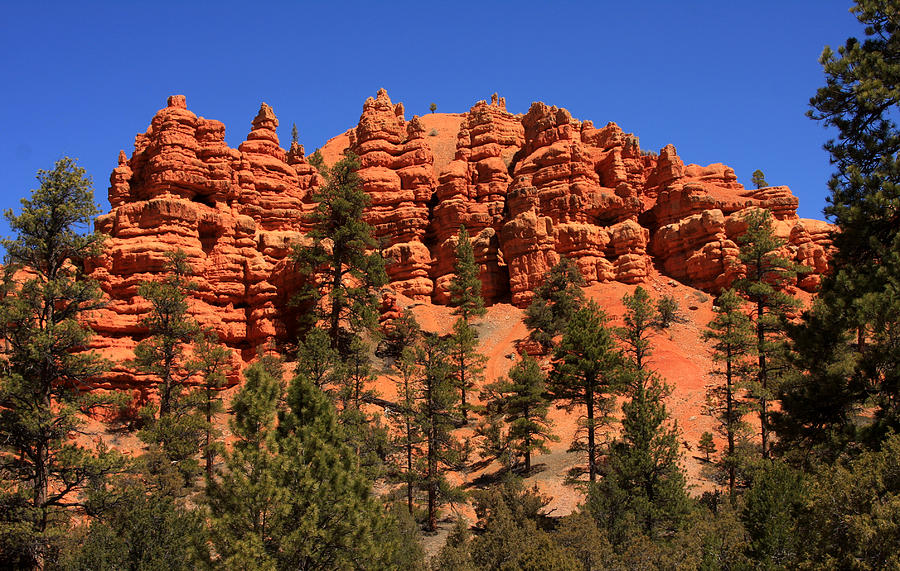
x=529 y=188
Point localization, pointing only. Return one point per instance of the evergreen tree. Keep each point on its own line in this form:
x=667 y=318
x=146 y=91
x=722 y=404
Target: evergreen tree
x=213 y=362
x=436 y=409
x=759 y=179
x=707 y=445
x=292 y=497
x=364 y=432
x=771 y=510
x=642 y=482
x=822 y=395
x=465 y=288
x=295 y=136
x=456 y=553
x=520 y=399
x=667 y=312
x=585 y=372
x=860 y=100
x=249 y=503
x=432 y=107
x=468 y=363
x=171 y=331
x=465 y=298
x=731 y=334
x=410 y=439
x=514 y=529
x=316 y=360
x=766 y=275
x=44 y=299
x=341 y=264
x=318 y=161
x=554 y=303
x=179 y=430
x=850 y=518
x=143 y=528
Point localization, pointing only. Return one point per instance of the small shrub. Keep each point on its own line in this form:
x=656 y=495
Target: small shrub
x=706 y=445
x=668 y=312
x=433 y=133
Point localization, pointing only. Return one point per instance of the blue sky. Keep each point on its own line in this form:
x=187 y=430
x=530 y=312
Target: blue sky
x=723 y=81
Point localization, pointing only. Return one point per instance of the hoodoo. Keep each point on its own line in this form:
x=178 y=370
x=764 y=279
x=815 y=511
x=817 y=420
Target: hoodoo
x=529 y=188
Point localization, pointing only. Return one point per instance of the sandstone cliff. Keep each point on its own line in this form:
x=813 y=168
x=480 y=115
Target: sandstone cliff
x=529 y=189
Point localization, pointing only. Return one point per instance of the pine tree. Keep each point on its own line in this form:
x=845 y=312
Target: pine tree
x=465 y=298
x=766 y=275
x=436 y=408
x=410 y=438
x=707 y=445
x=44 y=299
x=177 y=433
x=667 y=312
x=520 y=400
x=759 y=179
x=861 y=99
x=171 y=331
x=317 y=360
x=248 y=504
x=585 y=372
x=731 y=333
x=213 y=363
x=554 y=303
x=353 y=389
x=468 y=363
x=465 y=288
x=823 y=393
x=642 y=480
x=342 y=265
x=772 y=508
x=292 y=497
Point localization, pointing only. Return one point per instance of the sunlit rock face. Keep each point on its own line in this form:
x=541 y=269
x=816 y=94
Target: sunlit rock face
x=528 y=188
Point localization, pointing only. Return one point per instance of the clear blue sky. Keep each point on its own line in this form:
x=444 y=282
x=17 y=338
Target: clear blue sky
x=724 y=81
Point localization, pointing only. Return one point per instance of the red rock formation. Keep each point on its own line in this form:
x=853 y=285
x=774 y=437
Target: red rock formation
x=235 y=213
x=558 y=204
x=529 y=188
x=472 y=193
x=397 y=172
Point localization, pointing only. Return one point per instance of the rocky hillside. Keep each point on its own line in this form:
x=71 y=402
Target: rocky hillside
x=529 y=188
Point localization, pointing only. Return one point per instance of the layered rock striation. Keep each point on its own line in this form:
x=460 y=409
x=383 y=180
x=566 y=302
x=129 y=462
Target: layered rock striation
x=236 y=214
x=529 y=189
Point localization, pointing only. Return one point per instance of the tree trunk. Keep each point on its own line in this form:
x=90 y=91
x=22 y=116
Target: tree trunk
x=41 y=489
x=730 y=420
x=462 y=386
x=336 y=308
x=432 y=462
x=209 y=452
x=409 y=460
x=589 y=401
x=763 y=380
x=526 y=416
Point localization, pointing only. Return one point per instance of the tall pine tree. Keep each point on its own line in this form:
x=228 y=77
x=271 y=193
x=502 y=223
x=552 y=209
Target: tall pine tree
x=45 y=299
x=342 y=264
x=860 y=99
x=642 y=483
x=767 y=273
x=554 y=303
x=585 y=374
x=521 y=401
x=437 y=408
x=731 y=334
x=465 y=298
